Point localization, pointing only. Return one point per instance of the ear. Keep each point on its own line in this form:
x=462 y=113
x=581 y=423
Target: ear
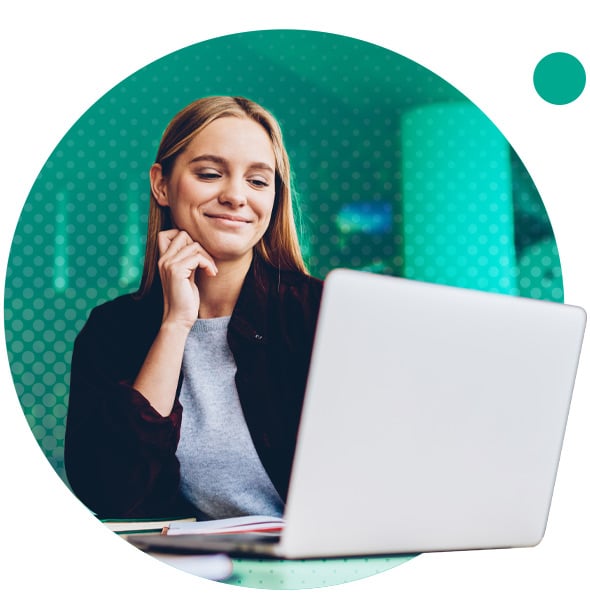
x=159 y=185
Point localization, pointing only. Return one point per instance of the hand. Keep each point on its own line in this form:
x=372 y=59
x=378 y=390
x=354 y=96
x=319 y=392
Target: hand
x=180 y=257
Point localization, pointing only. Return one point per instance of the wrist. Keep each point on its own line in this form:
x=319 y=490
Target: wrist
x=176 y=328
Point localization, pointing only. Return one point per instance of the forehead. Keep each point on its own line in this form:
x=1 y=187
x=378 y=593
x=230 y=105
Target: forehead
x=239 y=139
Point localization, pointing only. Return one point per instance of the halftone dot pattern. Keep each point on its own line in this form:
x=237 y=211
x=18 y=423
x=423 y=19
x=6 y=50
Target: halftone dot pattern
x=457 y=212
x=317 y=573
x=342 y=103
x=559 y=78
x=540 y=277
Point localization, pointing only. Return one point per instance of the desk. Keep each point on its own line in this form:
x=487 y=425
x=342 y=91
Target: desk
x=271 y=574
x=313 y=573
x=277 y=574
x=280 y=574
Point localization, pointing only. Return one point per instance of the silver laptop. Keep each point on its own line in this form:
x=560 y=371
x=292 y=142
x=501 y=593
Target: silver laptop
x=433 y=420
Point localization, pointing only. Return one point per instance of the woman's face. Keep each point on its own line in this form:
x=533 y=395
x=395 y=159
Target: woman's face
x=222 y=186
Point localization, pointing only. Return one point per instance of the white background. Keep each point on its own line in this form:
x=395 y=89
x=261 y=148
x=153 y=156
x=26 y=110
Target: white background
x=58 y=58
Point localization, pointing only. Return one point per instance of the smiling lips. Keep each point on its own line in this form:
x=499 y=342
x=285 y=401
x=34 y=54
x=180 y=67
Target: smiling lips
x=228 y=218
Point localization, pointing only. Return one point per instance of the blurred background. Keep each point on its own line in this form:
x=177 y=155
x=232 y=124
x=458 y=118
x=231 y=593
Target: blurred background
x=395 y=171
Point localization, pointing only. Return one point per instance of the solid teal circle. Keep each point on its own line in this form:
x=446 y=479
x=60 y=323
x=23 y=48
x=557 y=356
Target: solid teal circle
x=559 y=78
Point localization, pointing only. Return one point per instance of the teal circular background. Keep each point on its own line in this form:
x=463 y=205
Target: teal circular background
x=559 y=78
x=396 y=172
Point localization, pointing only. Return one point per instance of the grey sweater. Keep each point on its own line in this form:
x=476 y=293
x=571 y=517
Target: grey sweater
x=220 y=471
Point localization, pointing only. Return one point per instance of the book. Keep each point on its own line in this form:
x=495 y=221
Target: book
x=141 y=525
x=240 y=524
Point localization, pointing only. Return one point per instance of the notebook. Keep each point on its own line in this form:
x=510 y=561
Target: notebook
x=433 y=420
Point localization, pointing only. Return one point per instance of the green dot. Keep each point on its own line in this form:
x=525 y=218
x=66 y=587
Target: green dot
x=559 y=78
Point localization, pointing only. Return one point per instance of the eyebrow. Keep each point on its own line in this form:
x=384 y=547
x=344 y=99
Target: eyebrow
x=222 y=161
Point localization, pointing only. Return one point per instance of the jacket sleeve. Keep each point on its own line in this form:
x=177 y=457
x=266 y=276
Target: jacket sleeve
x=119 y=451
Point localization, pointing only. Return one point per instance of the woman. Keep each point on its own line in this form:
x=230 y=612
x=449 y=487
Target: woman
x=185 y=397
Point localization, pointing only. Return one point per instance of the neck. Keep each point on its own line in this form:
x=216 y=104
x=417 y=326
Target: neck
x=219 y=294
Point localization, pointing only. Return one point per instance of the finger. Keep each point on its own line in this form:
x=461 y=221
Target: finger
x=189 y=257
x=191 y=245
x=195 y=257
x=172 y=240
x=164 y=240
x=181 y=242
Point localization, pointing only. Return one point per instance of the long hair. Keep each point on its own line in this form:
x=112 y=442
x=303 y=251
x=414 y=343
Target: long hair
x=279 y=246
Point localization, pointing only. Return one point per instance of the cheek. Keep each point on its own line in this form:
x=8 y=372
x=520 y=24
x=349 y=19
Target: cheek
x=186 y=197
x=269 y=207
x=266 y=218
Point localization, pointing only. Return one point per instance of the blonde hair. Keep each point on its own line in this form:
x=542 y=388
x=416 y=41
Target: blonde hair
x=279 y=246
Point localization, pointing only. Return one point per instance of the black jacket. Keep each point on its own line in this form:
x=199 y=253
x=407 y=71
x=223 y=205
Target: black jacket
x=120 y=452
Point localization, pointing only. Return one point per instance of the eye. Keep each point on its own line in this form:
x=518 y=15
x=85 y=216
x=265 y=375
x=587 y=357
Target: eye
x=208 y=175
x=259 y=182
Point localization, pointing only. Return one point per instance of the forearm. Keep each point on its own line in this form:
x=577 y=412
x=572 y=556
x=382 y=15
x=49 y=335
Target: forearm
x=119 y=451
x=157 y=379
x=123 y=479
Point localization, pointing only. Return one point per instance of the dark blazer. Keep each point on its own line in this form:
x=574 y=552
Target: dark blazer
x=120 y=452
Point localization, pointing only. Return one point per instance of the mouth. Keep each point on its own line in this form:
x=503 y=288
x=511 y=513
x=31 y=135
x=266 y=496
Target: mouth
x=229 y=218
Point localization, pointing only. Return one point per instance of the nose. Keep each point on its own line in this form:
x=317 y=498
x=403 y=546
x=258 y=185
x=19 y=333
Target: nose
x=232 y=193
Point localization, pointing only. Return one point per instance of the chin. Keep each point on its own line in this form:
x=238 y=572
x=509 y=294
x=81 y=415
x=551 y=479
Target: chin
x=228 y=254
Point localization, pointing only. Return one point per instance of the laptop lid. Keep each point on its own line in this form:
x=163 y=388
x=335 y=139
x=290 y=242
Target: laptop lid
x=433 y=419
